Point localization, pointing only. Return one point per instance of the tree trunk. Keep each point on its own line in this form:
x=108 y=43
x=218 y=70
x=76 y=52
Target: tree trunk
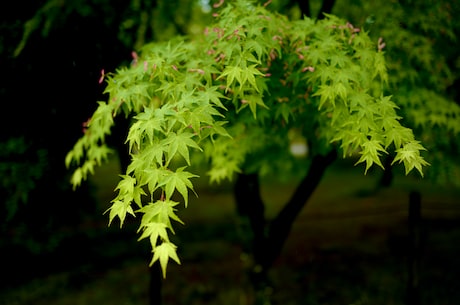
x=387 y=176
x=326 y=8
x=250 y=208
x=280 y=227
x=155 y=284
x=265 y=242
x=414 y=223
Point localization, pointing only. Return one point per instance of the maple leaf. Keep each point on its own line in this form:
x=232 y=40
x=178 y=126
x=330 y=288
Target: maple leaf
x=326 y=94
x=154 y=231
x=180 y=142
x=119 y=209
x=163 y=253
x=180 y=181
x=370 y=154
x=126 y=185
x=253 y=100
x=76 y=178
x=231 y=73
x=249 y=74
x=160 y=211
x=212 y=95
x=409 y=155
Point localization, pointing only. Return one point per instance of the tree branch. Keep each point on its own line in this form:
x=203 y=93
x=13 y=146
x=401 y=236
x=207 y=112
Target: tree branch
x=281 y=225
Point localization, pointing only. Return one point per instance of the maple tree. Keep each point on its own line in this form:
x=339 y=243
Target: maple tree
x=233 y=99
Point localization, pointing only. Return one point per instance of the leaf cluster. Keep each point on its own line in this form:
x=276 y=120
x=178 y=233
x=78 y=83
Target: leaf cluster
x=421 y=53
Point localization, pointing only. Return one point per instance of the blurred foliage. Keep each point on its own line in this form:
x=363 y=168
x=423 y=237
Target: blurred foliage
x=421 y=47
x=19 y=172
x=136 y=22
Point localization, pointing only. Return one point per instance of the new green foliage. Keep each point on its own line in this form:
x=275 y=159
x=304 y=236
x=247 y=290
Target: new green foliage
x=420 y=43
x=231 y=98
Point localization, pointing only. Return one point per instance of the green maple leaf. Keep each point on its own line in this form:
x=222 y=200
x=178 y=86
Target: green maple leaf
x=249 y=74
x=126 y=185
x=103 y=115
x=88 y=167
x=163 y=253
x=223 y=170
x=119 y=209
x=200 y=115
x=77 y=152
x=180 y=181
x=212 y=95
x=232 y=73
x=398 y=135
x=253 y=100
x=160 y=211
x=76 y=178
x=154 y=231
x=370 y=154
x=149 y=121
x=99 y=153
x=326 y=94
x=154 y=178
x=409 y=155
x=180 y=142
x=137 y=194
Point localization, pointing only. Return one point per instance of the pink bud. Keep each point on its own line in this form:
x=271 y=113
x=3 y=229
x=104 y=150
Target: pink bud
x=380 y=44
x=216 y=5
x=309 y=68
x=101 y=79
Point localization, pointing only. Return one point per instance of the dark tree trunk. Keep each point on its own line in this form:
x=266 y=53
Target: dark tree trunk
x=155 y=284
x=326 y=8
x=250 y=208
x=415 y=248
x=387 y=176
x=304 y=6
x=266 y=242
x=281 y=226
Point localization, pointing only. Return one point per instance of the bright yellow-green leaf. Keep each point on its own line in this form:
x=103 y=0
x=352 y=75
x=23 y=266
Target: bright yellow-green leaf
x=371 y=154
x=163 y=253
x=180 y=181
x=119 y=209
